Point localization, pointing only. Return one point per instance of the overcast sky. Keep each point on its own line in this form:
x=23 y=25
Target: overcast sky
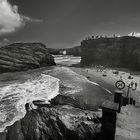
x=64 y=23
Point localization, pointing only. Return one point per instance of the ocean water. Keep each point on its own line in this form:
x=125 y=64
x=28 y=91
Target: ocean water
x=87 y=93
x=13 y=97
x=16 y=89
x=67 y=60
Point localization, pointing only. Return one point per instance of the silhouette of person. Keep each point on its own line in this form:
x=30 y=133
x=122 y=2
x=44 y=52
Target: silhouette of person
x=120 y=78
x=132 y=83
x=136 y=85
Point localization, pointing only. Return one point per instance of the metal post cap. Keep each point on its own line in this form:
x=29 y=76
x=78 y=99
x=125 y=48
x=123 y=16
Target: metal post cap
x=118 y=91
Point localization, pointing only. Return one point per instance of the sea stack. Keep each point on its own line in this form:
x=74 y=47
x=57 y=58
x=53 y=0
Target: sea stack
x=24 y=56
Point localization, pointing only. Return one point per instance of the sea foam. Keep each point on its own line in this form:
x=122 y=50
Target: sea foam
x=15 y=96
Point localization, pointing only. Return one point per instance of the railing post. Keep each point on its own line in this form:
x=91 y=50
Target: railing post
x=134 y=102
x=131 y=101
x=123 y=101
x=118 y=99
x=127 y=100
x=109 y=115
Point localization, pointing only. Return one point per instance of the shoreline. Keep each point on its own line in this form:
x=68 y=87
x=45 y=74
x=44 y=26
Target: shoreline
x=88 y=95
x=89 y=78
x=109 y=81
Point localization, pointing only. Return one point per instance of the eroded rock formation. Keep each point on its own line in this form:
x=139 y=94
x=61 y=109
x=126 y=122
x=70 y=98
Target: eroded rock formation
x=61 y=122
x=24 y=56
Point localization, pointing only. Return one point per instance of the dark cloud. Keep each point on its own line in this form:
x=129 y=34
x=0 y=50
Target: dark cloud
x=65 y=22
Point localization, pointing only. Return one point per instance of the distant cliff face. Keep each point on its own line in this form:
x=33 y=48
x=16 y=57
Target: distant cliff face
x=113 y=52
x=24 y=56
x=75 y=51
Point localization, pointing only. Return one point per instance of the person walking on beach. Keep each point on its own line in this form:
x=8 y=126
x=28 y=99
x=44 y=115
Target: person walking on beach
x=136 y=84
x=132 y=83
x=120 y=78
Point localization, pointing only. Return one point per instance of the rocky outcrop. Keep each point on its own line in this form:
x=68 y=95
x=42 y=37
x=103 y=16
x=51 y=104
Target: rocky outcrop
x=55 y=123
x=113 y=52
x=70 y=100
x=24 y=56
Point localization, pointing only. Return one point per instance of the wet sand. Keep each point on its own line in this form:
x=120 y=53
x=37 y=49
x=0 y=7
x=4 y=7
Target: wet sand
x=109 y=81
x=85 y=91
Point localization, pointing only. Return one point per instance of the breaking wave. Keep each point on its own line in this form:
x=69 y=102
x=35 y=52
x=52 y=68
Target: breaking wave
x=13 y=97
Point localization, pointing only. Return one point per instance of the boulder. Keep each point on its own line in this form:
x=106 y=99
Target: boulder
x=55 y=123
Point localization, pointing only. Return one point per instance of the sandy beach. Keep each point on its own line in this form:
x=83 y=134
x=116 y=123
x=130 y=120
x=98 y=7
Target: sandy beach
x=110 y=79
x=128 y=123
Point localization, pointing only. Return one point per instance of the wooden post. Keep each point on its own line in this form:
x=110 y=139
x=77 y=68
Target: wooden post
x=109 y=116
x=118 y=99
x=2 y=135
x=128 y=90
x=134 y=102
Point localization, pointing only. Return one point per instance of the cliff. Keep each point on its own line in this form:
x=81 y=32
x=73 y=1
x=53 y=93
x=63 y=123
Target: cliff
x=75 y=51
x=113 y=52
x=24 y=56
x=61 y=122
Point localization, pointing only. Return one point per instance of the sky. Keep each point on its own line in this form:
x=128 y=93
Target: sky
x=64 y=23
